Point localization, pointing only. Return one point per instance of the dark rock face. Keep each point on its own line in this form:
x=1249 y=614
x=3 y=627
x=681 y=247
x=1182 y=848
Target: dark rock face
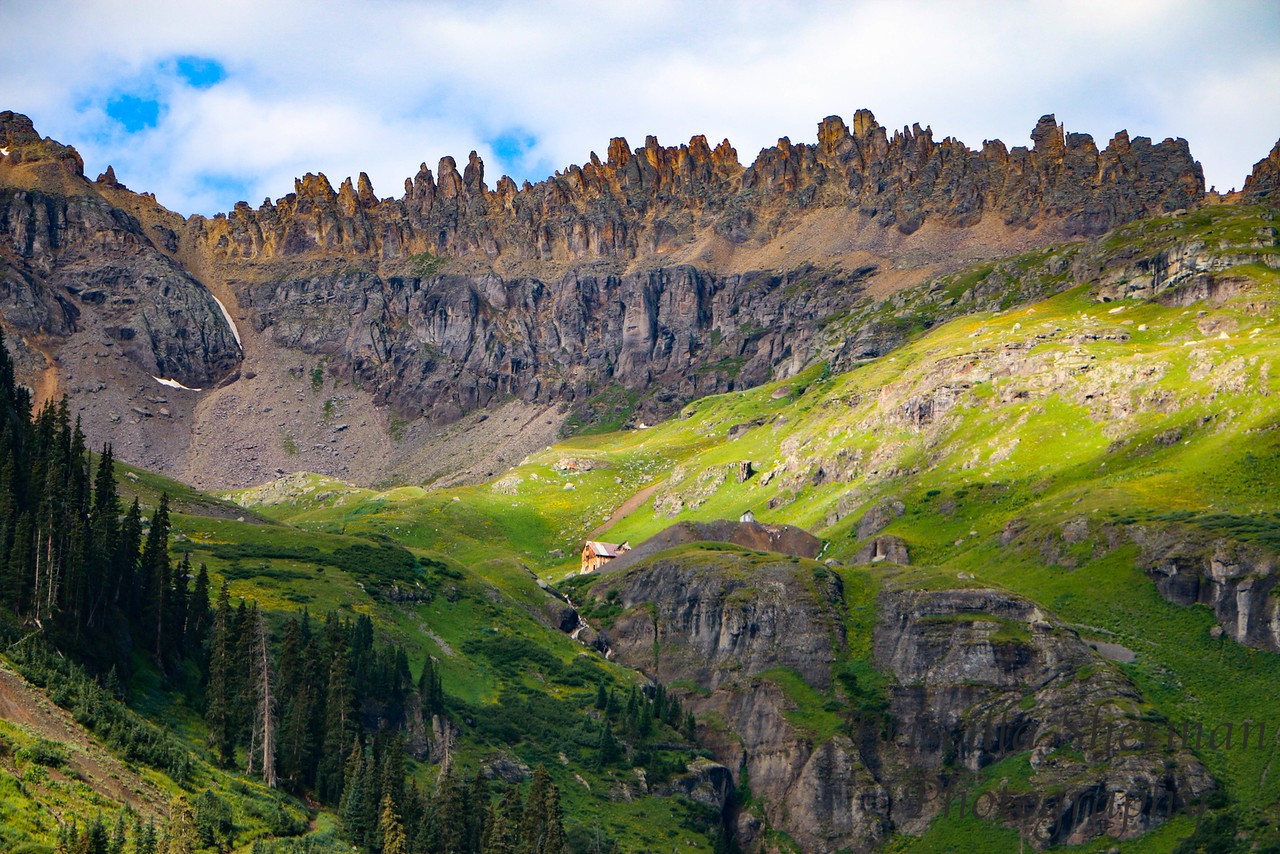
x=712 y=624
x=1234 y=579
x=446 y=345
x=977 y=676
x=1263 y=184
x=71 y=263
x=982 y=674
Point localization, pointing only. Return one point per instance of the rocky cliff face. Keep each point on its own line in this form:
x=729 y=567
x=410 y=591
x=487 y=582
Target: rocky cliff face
x=1235 y=580
x=1263 y=184
x=73 y=263
x=452 y=343
x=976 y=677
x=94 y=306
x=634 y=283
x=639 y=272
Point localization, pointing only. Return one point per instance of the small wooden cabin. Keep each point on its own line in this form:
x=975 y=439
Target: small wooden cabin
x=596 y=554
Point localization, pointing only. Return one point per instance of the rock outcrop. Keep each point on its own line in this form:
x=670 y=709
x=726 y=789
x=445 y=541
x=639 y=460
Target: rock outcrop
x=975 y=677
x=720 y=616
x=94 y=305
x=1235 y=580
x=1263 y=183
x=982 y=675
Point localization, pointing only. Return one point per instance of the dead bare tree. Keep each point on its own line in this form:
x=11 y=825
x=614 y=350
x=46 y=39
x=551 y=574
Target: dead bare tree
x=262 y=739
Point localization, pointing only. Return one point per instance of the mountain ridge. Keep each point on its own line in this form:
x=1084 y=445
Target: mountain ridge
x=610 y=293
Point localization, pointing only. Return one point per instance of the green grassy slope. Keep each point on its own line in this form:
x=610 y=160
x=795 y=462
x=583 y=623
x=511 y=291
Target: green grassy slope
x=1069 y=412
x=1021 y=426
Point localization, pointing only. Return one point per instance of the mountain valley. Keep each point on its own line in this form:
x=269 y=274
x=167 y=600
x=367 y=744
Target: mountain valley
x=1024 y=401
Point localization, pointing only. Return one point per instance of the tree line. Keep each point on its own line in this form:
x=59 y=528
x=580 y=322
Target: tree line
x=322 y=712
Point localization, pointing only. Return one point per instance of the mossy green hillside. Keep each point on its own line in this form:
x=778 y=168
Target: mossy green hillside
x=1041 y=424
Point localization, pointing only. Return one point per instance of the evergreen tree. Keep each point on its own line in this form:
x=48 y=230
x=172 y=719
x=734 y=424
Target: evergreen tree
x=553 y=841
x=119 y=835
x=502 y=834
x=220 y=708
x=339 y=724
x=352 y=811
x=430 y=690
x=602 y=696
x=299 y=688
x=127 y=594
x=608 y=751
x=477 y=811
x=393 y=838
x=644 y=726
x=198 y=612
x=105 y=534
x=156 y=575
x=533 y=823
x=451 y=829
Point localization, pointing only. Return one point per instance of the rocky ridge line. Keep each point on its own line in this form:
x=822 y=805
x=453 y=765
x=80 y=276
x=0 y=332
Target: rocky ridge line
x=650 y=200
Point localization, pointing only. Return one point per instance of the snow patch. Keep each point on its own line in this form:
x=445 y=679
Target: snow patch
x=175 y=384
x=230 y=322
x=4 y=151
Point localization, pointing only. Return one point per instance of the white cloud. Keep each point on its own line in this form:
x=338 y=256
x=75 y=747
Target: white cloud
x=381 y=86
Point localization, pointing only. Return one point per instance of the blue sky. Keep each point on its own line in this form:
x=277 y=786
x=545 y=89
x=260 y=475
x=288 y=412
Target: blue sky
x=206 y=106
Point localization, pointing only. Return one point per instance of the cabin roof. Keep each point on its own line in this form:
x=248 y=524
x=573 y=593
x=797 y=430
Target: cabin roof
x=606 y=549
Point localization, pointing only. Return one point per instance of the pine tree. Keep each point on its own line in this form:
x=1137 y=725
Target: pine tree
x=477 y=811
x=430 y=690
x=198 y=613
x=351 y=809
x=690 y=730
x=300 y=690
x=156 y=573
x=602 y=696
x=393 y=838
x=607 y=747
x=145 y=840
x=119 y=836
x=533 y=823
x=502 y=834
x=450 y=820
x=644 y=726
x=554 y=841
x=105 y=534
x=220 y=708
x=127 y=593
x=339 y=725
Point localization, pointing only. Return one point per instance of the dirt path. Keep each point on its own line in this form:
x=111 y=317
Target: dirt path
x=625 y=508
x=29 y=707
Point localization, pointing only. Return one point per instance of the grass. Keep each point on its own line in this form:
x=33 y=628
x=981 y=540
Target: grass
x=1023 y=424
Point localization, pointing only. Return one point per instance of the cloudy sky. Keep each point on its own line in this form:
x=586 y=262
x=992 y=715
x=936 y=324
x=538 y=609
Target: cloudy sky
x=206 y=104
